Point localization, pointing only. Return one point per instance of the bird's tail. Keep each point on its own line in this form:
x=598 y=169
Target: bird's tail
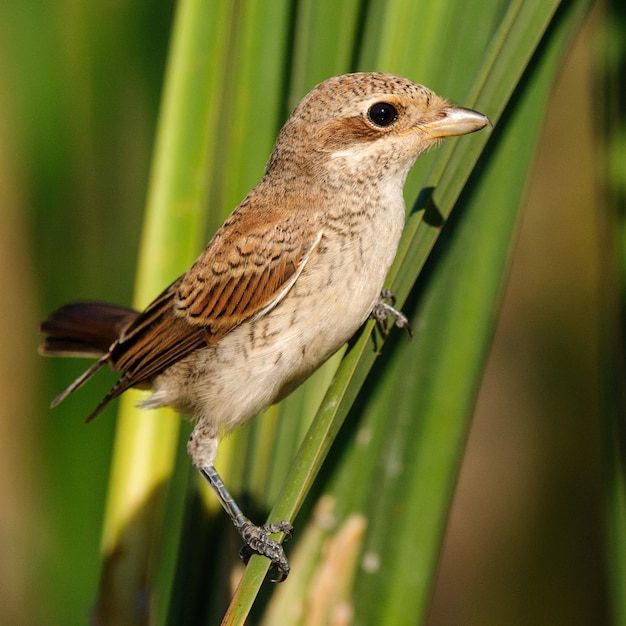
x=87 y=329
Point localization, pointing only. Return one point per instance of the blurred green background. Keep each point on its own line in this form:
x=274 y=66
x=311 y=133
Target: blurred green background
x=80 y=87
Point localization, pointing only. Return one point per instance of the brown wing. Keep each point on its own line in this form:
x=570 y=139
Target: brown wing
x=248 y=267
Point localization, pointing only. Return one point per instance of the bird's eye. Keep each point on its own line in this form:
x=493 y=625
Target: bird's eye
x=382 y=114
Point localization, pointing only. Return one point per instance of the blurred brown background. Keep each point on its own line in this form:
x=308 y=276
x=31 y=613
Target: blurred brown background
x=524 y=544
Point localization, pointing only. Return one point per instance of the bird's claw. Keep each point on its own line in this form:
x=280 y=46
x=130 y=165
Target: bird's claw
x=382 y=309
x=257 y=540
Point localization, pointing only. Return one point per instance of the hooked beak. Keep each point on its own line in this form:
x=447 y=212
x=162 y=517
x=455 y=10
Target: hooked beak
x=455 y=121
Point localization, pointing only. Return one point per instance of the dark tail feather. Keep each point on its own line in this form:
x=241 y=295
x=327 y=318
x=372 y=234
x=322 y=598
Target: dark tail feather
x=80 y=381
x=87 y=329
x=119 y=387
x=84 y=328
x=114 y=393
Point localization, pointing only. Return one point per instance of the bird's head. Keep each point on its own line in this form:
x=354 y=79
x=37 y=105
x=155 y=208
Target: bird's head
x=363 y=122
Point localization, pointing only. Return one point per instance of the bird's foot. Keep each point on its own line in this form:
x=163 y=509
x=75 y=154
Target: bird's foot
x=257 y=540
x=383 y=309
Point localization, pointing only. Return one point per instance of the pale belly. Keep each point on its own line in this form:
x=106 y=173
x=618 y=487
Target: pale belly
x=262 y=360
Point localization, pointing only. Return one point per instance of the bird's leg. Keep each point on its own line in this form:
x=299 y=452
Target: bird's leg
x=256 y=538
x=383 y=308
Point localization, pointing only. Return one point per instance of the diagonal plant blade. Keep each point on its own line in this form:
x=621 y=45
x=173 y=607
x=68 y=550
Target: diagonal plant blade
x=456 y=314
x=497 y=86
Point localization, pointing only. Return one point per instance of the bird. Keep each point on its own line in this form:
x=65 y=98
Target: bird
x=292 y=274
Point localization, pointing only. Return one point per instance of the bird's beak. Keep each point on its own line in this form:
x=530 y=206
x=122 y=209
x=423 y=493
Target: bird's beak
x=455 y=121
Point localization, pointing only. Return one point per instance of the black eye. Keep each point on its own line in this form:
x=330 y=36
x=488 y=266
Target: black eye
x=382 y=114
